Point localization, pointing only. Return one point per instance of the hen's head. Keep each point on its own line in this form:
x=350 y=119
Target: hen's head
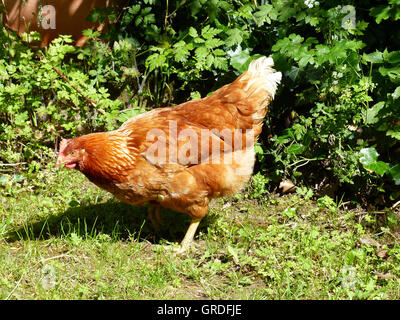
x=71 y=154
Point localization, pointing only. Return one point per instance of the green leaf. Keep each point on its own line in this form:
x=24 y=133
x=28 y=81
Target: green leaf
x=378 y=167
x=393 y=73
x=290 y=212
x=233 y=253
x=258 y=149
x=209 y=32
x=182 y=50
x=371 y=113
x=193 y=32
x=265 y=14
x=155 y=60
x=396 y=93
x=201 y=53
x=134 y=9
x=295 y=148
x=393 y=57
x=306 y=59
x=213 y=43
x=380 y=13
x=234 y=37
x=369 y=155
x=293 y=73
x=374 y=57
x=394 y=132
x=90 y=34
x=18 y=177
x=395 y=173
x=239 y=58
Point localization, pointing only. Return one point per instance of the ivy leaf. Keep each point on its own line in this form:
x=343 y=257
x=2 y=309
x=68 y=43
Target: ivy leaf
x=378 y=167
x=395 y=173
x=239 y=58
x=369 y=160
x=371 y=113
x=293 y=73
x=369 y=155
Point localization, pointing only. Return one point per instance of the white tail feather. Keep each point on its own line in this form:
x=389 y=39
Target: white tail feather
x=262 y=68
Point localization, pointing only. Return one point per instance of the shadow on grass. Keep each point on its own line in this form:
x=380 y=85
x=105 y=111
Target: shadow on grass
x=118 y=220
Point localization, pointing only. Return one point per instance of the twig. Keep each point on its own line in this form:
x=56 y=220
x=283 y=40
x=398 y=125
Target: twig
x=12 y=164
x=344 y=204
x=93 y=103
x=16 y=286
x=177 y=8
x=41 y=261
x=395 y=205
x=166 y=16
x=56 y=257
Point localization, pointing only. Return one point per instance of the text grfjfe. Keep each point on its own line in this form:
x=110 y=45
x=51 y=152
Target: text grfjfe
x=229 y=309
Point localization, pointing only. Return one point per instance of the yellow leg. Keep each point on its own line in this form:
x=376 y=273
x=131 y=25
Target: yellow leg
x=188 y=239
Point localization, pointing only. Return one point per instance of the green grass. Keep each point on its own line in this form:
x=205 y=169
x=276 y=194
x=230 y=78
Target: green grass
x=63 y=238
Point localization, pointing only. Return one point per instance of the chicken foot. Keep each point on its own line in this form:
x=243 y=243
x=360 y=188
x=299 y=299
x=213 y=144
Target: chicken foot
x=154 y=215
x=188 y=239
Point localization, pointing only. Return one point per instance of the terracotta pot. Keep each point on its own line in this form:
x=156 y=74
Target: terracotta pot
x=58 y=17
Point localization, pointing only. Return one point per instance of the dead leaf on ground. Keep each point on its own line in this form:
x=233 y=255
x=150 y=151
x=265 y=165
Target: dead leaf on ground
x=287 y=186
x=383 y=276
x=382 y=254
x=370 y=241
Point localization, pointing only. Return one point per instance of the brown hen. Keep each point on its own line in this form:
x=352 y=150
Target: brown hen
x=181 y=157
